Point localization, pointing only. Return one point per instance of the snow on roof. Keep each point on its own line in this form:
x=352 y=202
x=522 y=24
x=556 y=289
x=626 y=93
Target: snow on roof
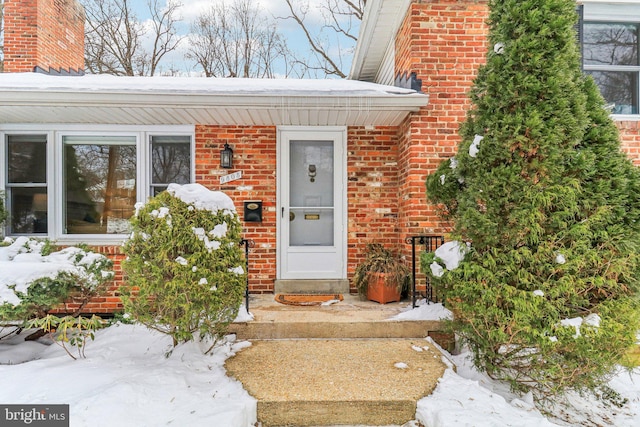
x=194 y=85
x=104 y=99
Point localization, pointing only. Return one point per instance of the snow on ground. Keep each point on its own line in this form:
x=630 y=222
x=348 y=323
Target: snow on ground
x=126 y=380
x=469 y=398
x=424 y=311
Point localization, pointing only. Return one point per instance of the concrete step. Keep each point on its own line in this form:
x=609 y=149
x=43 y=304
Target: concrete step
x=374 y=382
x=330 y=286
x=267 y=330
x=351 y=318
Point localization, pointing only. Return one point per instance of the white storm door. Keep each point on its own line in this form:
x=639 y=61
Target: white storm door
x=312 y=203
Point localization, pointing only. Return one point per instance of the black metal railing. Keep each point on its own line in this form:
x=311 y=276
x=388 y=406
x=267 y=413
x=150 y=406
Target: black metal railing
x=247 y=243
x=430 y=243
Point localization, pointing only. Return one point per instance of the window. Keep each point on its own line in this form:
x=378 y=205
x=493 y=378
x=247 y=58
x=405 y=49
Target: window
x=611 y=56
x=79 y=185
x=99 y=183
x=27 y=184
x=170 y=161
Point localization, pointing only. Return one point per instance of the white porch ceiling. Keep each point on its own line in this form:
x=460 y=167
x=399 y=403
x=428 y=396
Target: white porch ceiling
x=31 y=98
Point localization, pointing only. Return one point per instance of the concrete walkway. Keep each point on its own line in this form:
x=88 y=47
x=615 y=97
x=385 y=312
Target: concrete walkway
x=336 y=378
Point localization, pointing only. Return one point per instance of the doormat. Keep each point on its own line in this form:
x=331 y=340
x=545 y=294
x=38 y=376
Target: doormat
x=307 y=299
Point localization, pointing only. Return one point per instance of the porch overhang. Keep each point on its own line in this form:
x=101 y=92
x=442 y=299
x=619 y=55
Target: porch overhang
x=32 y=98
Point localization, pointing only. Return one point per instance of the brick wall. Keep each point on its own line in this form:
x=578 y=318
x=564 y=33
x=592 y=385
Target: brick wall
x=254 y=153
x=443 y=42
x=43 y=33
x=110 y=301
x=630 y=136
x=372 y=191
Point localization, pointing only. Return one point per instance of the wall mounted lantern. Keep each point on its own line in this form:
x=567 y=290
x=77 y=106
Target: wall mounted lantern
x=226 y=157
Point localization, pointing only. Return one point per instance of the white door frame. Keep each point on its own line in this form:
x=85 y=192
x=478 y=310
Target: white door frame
x=339 y=135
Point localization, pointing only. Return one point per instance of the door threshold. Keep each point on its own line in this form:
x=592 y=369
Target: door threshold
x=311 y=286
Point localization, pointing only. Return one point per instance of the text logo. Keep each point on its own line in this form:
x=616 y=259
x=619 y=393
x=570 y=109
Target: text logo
x=34 y=415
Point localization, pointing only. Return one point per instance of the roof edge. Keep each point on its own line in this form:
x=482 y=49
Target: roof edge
x=370 y=28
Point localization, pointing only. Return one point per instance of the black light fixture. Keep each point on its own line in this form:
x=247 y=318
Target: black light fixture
x=226 y=157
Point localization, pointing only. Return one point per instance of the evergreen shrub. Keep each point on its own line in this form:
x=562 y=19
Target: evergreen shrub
x=84 y=276
x=547 y=296
x=184 y=266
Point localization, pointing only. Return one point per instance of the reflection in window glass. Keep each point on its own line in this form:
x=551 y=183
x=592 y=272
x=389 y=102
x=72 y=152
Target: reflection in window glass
x=99 y=184
x=619 y=89
x=27 y=158
x=170 y=161
x=27 y=184
x=611 y=56
x=28 y=210
x=610 y=43
x=311 y=193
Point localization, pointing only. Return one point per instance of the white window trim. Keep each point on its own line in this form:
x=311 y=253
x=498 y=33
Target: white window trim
x=55 y=133
x=627 y=11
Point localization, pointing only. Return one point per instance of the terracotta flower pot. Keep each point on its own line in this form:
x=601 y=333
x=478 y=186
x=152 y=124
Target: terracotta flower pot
x=379 y=290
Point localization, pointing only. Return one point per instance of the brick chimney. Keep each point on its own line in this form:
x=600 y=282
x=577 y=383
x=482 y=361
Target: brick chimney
x=43 y=35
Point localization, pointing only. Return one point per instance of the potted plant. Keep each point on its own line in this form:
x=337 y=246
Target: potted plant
x=382 y=276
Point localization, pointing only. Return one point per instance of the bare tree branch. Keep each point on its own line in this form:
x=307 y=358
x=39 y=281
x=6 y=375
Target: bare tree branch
x=341 y=18
x=115 y=37
x=234 y=40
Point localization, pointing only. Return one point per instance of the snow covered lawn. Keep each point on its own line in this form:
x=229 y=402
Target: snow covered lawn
x=126 y=380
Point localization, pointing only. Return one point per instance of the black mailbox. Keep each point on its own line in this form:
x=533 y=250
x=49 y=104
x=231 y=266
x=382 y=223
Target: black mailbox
x=253 y=211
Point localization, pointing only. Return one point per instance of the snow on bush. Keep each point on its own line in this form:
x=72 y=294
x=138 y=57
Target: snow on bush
x=184 y=267
x=450 y=254
x=33 y=280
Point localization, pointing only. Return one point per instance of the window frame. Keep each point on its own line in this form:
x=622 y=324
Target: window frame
x=602 y=13
x=150 y=182
x=55 y=172
x=4 y=177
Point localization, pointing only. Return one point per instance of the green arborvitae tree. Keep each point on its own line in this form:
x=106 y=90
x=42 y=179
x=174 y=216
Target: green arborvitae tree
x=549 y=204
x=184 y=268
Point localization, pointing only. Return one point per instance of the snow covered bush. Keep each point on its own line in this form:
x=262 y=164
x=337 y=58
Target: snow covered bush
x=183 y=268
x=35 y=279
x=547 y=295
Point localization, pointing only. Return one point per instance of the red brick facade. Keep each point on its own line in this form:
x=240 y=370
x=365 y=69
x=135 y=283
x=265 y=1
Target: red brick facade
x=255 y=155
x=372 y=193
x=371 y=188
x=630 y=137
x=443 y=43
x=45 y=34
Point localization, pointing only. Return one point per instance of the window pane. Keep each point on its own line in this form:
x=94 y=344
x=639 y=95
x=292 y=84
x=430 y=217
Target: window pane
x=157 y=189
x=619 y=89
x=28 y=210
x=170 y=160
x=27 y=159
x=610 y=44
x=100 y=184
